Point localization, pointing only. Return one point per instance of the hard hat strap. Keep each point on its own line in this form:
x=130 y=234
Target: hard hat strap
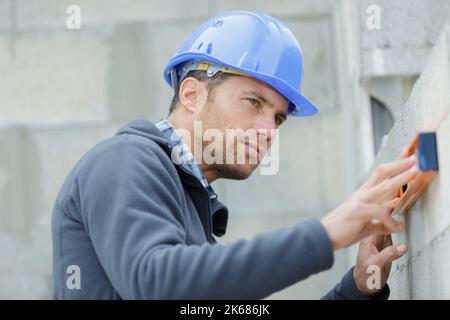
x=210 y=68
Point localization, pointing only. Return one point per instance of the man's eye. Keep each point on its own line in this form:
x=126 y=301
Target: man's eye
x=253 y=101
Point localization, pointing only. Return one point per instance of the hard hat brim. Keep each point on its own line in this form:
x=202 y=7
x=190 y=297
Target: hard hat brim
x=306 y=107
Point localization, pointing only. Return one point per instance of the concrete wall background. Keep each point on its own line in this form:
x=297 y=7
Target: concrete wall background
x=64 y=90
x=405 y=65
x=423 y=272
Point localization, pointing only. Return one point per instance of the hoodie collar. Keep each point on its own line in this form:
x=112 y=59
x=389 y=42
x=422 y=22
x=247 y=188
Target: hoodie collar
x=148 y=130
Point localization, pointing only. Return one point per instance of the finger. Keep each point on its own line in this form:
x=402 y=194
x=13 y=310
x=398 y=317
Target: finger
x=380 y=228
x=397 y=166
x=405 y=153
x=389 y=254
x=389 y=188
x=390 y=169
x=367 y=241
x=372 y=243
x=382 y=222
x=383 y=241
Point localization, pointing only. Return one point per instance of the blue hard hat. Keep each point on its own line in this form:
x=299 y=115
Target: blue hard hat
x=255 y=44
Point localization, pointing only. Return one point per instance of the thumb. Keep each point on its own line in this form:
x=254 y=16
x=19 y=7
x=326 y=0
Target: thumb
x=389 y=254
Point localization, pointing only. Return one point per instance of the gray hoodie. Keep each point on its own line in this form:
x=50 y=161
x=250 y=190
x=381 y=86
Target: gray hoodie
x=130 y=224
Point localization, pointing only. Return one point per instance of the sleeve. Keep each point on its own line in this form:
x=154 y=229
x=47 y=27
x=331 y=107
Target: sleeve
x=134 y=217
x=347 y=290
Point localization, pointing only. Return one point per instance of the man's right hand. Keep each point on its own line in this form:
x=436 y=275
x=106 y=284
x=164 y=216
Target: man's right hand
x=368 y=210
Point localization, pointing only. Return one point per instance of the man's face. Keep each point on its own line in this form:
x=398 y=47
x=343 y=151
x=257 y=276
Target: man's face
x=247 y=112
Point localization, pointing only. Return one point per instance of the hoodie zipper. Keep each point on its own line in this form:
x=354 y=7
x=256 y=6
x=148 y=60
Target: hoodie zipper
x=206 y=199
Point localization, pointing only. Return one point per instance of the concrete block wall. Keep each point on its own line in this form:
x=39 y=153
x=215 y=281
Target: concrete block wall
x=391 y=57
x=33 y=165
x=409 y=45
x=408 y=30
x=51 y=78
x=423 y=272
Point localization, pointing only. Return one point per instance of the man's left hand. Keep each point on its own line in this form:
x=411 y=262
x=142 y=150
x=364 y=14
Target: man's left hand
x=375 y=253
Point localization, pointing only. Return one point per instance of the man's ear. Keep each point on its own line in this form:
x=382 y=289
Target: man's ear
x=192 y=94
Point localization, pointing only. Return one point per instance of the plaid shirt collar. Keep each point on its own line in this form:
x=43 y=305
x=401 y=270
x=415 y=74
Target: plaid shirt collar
x=184 y=154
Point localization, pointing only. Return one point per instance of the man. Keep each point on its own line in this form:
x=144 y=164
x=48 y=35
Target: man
x=136 y=216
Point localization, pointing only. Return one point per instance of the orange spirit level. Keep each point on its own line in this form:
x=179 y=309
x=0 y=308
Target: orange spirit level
x=425 y=147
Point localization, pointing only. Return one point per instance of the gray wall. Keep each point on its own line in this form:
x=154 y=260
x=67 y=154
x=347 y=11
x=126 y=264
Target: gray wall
x=405 y=66
x=423 y=272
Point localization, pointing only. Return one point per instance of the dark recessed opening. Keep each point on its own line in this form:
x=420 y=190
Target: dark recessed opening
x=382 y=121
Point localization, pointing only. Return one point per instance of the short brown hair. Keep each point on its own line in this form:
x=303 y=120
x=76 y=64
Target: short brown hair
x=211 y=83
